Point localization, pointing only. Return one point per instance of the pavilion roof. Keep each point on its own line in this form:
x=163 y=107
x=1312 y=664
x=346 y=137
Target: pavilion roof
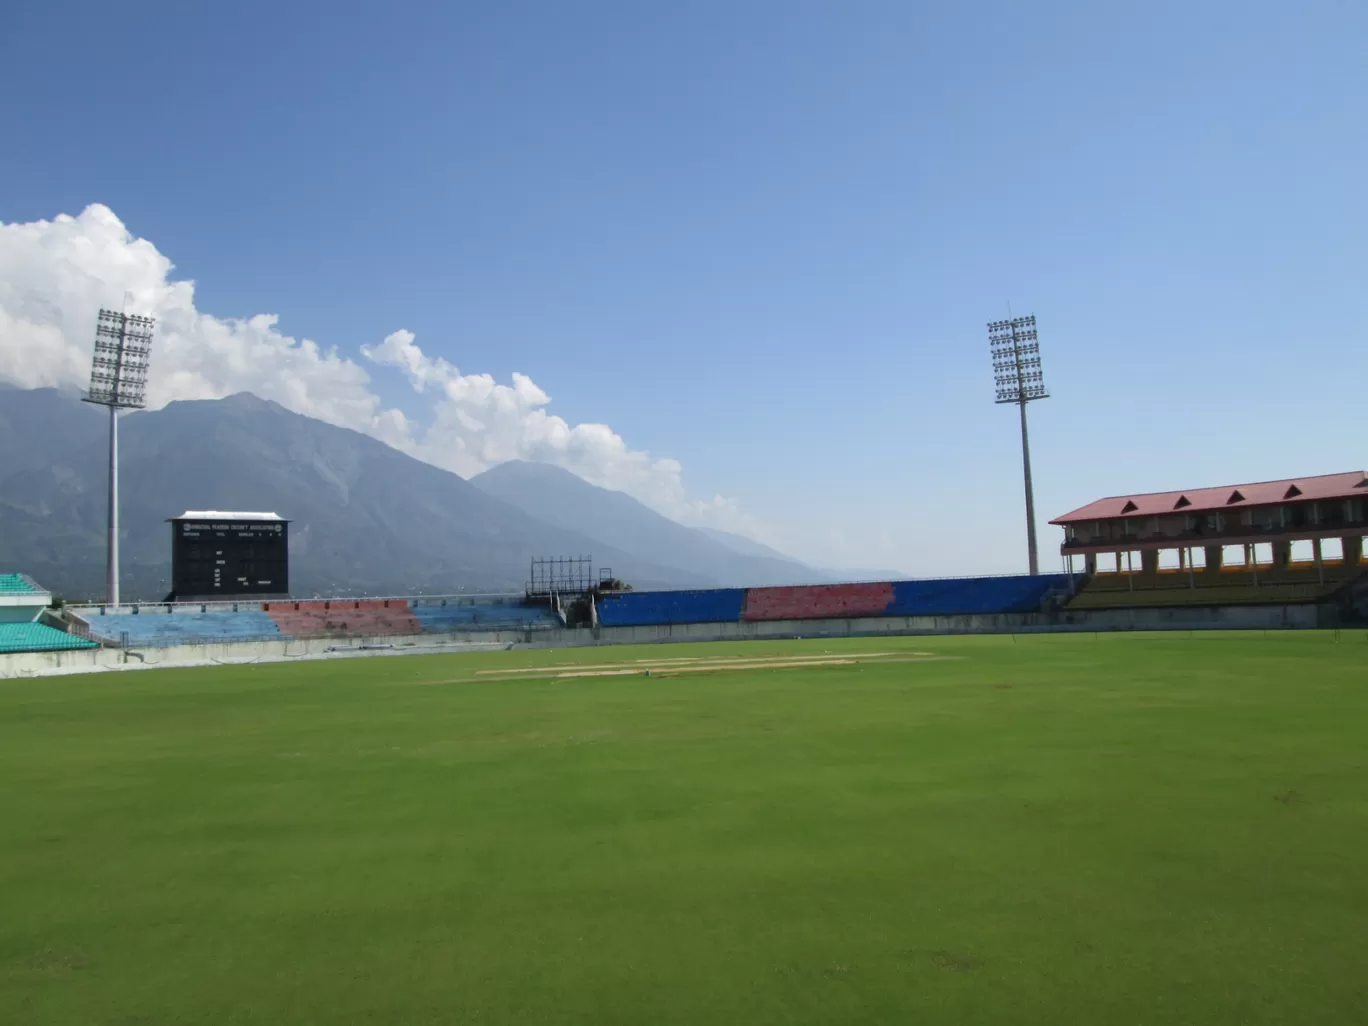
x=1206 y=500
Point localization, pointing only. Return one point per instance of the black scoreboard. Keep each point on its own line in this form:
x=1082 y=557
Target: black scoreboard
x=228 y=555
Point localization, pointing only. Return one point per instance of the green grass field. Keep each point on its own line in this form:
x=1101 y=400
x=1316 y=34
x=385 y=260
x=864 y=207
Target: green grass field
x=1126 y=829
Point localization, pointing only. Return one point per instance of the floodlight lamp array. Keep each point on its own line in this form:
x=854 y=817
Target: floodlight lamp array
x=118 y=371
x=1017 y=373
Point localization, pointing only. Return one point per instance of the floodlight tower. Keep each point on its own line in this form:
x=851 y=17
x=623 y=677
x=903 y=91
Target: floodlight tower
x=1016 y=369
x=118 y=379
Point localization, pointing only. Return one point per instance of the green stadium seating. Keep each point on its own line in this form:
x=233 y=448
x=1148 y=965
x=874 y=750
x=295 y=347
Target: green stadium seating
x=37 y=637
x=16 y=584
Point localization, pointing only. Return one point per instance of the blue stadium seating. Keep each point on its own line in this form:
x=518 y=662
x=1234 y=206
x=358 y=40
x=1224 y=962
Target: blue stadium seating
x=974 y=595
x=37 y=637
x=154 y=629
x=645 y=608
x=161 y=629
x=483 y=616
x=910 y=598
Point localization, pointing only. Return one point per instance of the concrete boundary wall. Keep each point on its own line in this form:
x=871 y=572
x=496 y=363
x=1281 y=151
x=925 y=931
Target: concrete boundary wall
x=27 y=664
x=242 y=653
x=1215 y=618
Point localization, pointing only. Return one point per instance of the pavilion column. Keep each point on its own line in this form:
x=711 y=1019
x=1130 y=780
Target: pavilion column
x=1282 y=554
x=1213 y=559
x=1353 y=549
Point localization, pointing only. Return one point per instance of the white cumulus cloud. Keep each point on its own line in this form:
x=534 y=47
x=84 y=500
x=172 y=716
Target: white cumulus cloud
x=55 y=275
x=478 y=422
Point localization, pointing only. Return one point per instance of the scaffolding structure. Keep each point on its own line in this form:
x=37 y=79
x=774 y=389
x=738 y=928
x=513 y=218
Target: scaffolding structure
x=560 y=575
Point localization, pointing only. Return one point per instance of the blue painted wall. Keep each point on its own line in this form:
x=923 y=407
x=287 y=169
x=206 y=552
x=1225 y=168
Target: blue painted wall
x=646 y=608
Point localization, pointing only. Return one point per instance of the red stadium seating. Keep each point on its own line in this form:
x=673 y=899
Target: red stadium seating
x=810 y=602
x=363 y=618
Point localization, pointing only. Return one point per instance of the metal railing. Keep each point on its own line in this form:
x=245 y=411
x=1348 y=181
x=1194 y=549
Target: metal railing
x=260 y=605
x=1202 y=535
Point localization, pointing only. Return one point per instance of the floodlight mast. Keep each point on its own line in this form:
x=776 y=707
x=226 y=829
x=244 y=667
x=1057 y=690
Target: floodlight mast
x=1019 y=379
x=118 y=380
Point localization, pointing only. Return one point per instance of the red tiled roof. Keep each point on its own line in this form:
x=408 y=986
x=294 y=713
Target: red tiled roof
x=1201 y=500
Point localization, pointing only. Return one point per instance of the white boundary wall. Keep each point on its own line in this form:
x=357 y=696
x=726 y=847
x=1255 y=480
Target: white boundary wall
x=29 y=664
x=241 y=653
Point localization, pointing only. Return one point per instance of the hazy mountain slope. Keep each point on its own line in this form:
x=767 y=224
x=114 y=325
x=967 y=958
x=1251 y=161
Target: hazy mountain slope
x=747 y=546
x=365 y=517
x=750 y=547
x=614 y=518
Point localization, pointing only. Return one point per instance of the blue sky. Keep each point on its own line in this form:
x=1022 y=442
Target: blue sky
x=764 y=238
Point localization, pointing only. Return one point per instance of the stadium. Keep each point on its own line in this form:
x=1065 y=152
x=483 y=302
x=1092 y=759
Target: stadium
x=1129 y=790
x=1285 y=554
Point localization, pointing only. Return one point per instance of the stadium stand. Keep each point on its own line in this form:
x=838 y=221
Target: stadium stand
x=161 y=625
x=157 y=629
x=17 y=584
x=824 y=601
x=975 y=595
x=464 y=616
x=344 y=618
x=1228 y=595
x=818 y=601
x=23 y=603
x=648 y=608
x=36 y=637
x=1269 y=584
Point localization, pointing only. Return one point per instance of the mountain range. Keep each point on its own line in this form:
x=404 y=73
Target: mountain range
x=540 y=489
x=365 y=518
